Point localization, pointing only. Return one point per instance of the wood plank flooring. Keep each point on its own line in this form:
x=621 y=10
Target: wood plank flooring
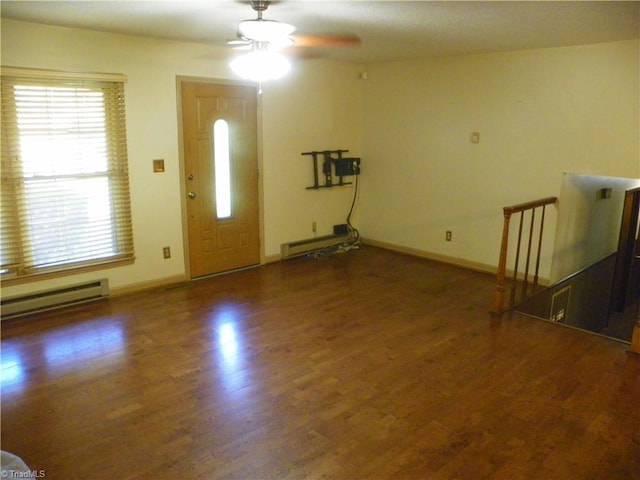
x=363 y=365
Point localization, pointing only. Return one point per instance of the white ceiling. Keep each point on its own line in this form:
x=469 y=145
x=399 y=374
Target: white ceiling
x=390 y=30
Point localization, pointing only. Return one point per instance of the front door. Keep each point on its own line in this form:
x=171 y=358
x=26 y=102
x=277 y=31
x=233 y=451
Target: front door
x=219 y=125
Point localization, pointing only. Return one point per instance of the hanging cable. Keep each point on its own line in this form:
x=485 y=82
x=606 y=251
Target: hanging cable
x=352 y=230
x=354 y=235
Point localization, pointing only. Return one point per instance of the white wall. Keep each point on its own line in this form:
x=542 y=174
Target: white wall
x=318 y=107
x=588 y=225
x=539 y=113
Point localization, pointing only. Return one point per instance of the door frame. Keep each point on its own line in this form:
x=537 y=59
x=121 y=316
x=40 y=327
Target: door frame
x=180 y=79
x=626 y=249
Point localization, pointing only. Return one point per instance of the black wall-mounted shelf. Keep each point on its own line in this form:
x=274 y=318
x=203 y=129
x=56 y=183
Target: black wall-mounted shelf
x=332 y=160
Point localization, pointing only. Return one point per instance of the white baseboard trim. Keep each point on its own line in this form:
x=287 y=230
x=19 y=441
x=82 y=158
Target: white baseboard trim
x=151 y=284
x=460 y=262
x=276 y=257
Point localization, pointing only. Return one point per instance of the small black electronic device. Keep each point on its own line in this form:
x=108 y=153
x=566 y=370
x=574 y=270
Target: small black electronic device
x=347 y=166
x=341 y=229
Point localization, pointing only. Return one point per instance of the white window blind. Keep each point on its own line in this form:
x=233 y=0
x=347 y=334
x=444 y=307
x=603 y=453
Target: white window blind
x=65 y=187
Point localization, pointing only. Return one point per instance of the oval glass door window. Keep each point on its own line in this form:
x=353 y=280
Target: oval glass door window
x=222 y=167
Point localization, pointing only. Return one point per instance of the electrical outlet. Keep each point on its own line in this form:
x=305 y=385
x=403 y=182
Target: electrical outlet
x=313 y=227
x=448 y=235
x=166 y=252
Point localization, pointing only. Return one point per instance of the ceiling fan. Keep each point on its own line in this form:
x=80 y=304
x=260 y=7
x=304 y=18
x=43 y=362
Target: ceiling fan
x=262 y=33
x=267 y=39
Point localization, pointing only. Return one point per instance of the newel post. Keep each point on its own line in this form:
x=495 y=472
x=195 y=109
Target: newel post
x=498 y=298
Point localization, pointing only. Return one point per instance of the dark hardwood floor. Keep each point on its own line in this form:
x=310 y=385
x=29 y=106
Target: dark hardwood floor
x=363 y=365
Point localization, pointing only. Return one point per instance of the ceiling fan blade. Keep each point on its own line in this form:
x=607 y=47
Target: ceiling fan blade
x=326 y=40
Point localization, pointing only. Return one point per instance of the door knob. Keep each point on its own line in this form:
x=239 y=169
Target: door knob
x=191 y=195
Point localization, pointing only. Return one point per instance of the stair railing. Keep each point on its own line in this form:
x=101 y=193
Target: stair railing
x=522 y=209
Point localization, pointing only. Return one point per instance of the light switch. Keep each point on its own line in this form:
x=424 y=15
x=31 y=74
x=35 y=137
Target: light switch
x=475 y=137
x=158 y=166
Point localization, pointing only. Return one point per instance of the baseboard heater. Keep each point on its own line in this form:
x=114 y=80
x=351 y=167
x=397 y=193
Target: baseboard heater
x=55 y=298
x=303 y=247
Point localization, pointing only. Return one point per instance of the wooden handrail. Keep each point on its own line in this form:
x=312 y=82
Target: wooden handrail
x=529 y=205
x=498 y=299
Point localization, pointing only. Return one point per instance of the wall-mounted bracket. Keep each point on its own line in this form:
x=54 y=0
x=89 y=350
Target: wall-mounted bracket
x=343 y=167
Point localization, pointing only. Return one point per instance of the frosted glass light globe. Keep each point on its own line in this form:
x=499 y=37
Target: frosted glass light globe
x=260 y=65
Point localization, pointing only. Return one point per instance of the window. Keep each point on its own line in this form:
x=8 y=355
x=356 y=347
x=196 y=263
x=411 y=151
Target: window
x=65 y=187
x=222 y=168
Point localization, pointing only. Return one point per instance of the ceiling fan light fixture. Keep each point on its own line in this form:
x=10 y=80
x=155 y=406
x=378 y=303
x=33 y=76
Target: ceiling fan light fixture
x=261 y=30
x=260 y=65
